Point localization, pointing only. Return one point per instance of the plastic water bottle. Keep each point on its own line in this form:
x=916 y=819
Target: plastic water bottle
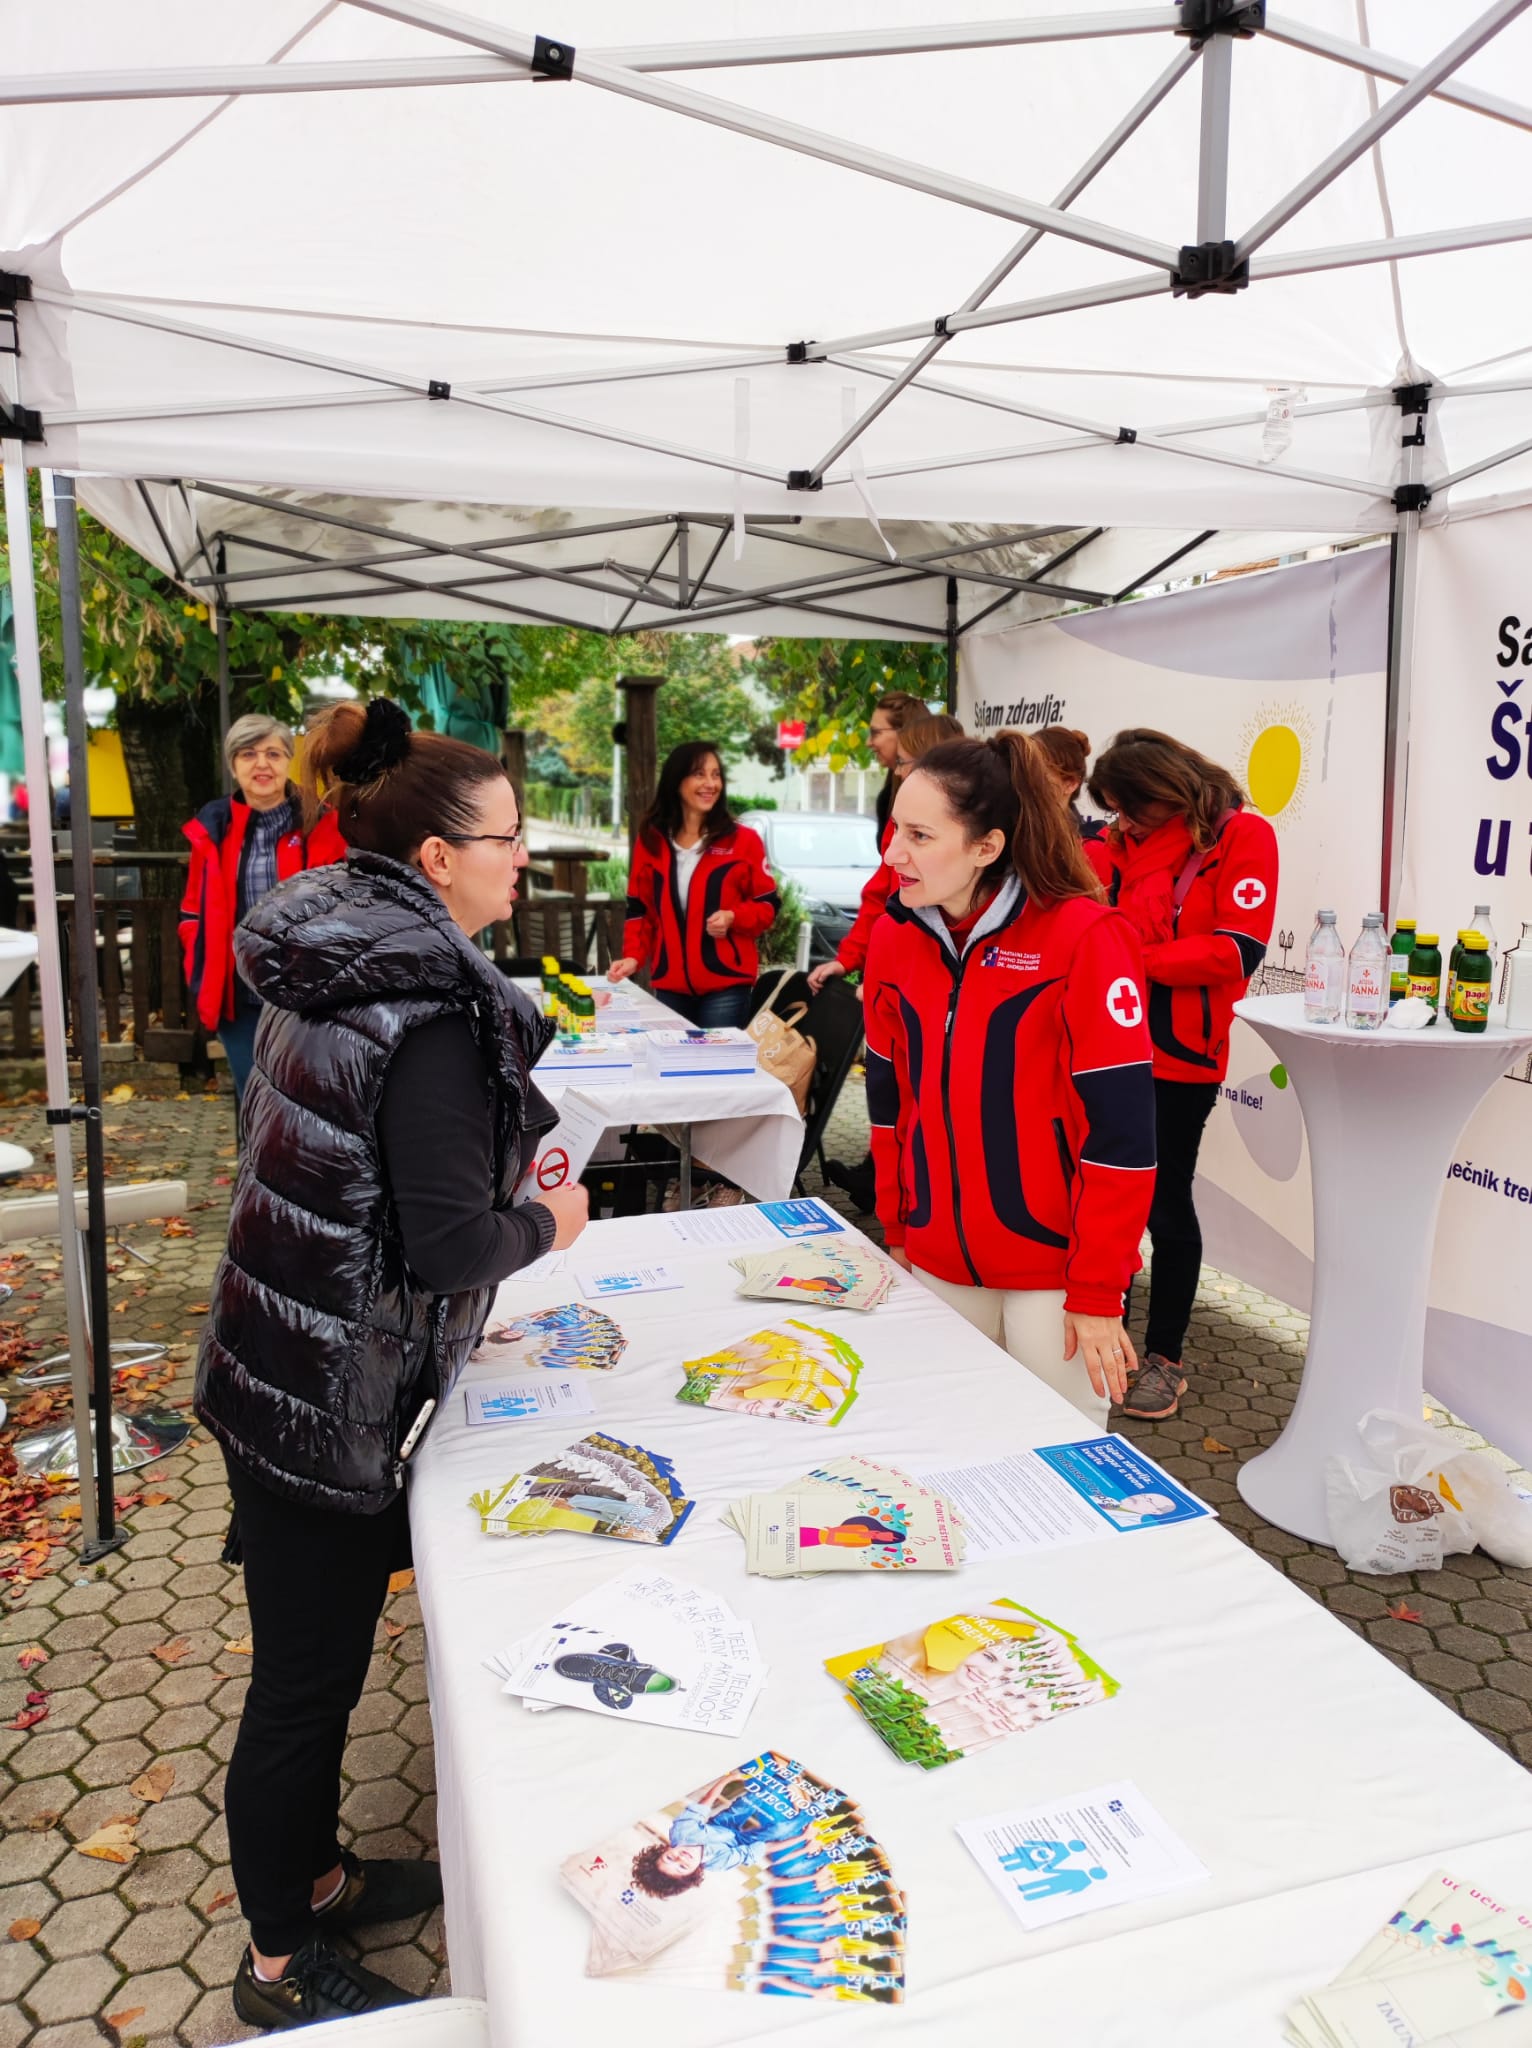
x=1482 y=925
x=1324 y=974
x=1367 y=976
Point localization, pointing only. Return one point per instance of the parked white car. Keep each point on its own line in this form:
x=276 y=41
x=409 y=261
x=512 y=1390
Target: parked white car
x=828 y=856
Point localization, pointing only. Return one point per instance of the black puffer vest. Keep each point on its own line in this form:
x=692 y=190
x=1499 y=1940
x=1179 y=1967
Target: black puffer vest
x=321 y=1346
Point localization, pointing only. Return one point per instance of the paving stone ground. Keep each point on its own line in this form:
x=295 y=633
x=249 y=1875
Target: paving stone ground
x=143 y=1956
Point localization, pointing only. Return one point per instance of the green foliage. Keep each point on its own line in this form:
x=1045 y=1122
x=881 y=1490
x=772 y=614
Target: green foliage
x=780 y=944
x=833 y=685
x=607 y=877
x=704 y=697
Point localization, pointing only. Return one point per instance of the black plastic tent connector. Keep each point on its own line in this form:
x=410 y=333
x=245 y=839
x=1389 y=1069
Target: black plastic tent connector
x=1203 y=18
x=1208 y=267
x=552 y=59
x=941 y=326
x=438 y=388
x=804 y=480
x=1413 y=397
x=798 y=351
x=13 y=289
x=1126 y=435
x=20 y=423
x=1412 y=497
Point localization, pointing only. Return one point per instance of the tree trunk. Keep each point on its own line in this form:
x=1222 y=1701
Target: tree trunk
x=171 y=754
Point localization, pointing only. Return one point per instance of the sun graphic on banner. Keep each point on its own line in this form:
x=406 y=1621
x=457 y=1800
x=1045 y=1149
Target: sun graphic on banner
x=1275 y=746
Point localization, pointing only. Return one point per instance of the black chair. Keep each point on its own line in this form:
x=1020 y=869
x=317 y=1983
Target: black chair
x=834 y=1022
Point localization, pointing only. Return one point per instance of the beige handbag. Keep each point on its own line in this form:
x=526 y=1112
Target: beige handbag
x=783 y=1050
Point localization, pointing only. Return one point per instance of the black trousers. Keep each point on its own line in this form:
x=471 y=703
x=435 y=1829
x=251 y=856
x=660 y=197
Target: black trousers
x=315 y=1580
x=712 y=1012
x=1182 y=1109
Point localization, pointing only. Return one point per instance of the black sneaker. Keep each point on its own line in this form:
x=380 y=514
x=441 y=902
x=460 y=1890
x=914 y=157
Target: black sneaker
x=318 y=1984
x=379 y=1892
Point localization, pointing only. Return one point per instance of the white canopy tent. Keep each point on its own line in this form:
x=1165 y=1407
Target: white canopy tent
x=814 y=316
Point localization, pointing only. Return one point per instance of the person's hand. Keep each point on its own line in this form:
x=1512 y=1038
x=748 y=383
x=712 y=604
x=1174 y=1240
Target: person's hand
x=719 y=922
x=1106 y=1348
x=621 y=969
x=570 y=1209
x=900 y=1257
x=818 y=976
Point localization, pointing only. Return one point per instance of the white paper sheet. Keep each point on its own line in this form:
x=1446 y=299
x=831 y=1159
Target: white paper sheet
x=521 y=1400
x=603 y=1283
x=1077 y=1855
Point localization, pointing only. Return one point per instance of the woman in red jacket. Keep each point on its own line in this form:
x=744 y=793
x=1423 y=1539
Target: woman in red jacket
x=1195 y=871
x=242 y=846
x=914 y=738
x=1009 y=1081
x=700 y=894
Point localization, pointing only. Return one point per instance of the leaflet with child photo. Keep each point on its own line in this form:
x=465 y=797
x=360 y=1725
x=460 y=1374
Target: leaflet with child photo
x=597 y=1487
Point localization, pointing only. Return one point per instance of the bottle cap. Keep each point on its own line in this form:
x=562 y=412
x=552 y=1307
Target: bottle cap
x=1475 y=942
x=1406 y=924
x=550 y=965
x=1327 y=917
x=1427 y=938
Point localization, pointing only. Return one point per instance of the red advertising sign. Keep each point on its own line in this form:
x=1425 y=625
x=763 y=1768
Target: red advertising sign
x=791 y=732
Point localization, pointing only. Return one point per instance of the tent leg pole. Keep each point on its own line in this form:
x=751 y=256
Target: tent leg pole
x=221 y=624
x=1213 y=152
x=1396 y=732
x=952 y=645
x=87 y=1014
x=29 y=676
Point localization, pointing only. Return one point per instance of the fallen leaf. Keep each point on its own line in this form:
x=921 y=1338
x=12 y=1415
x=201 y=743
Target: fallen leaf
x=393 y=1628
x=40 y=1823
x=125 y=2018
x=198 y=1308
x=174 y=1227
x=219 y=1900
x=155 y=1782
x=23 y=1930
x=157 y=1500
x=171 y=1652
x=70 y=1511
x=114 y=1843
x=30 y=1717
x=37 y=1699
x=121 y=1093
x=33 y=1655
x=1211 y=1443
x=242 y=1646
x=401 y=1582
x=1402 y=1611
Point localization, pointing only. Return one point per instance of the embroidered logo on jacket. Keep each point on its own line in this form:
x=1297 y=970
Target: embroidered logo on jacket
x=1123 y=1003
x=1018 y=963
x=1250 y=894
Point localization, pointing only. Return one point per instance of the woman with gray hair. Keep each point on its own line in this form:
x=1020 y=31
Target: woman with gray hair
x=242 y=846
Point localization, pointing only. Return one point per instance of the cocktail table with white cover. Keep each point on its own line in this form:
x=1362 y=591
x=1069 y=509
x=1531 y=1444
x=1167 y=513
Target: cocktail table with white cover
x=17 y=952
x=1383 y=1110
x=1315 y=1781
x=754 y=1131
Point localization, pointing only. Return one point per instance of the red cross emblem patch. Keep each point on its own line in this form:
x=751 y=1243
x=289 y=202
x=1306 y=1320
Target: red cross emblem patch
x=1123 y=1003
x=1250 y=894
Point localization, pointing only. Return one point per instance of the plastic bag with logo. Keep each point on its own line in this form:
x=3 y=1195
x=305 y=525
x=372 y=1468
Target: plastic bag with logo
x=1392 y=1511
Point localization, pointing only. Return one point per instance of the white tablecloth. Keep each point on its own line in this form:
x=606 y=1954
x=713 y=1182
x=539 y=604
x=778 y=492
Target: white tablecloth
x=753 y=1132
x=1315 y=1781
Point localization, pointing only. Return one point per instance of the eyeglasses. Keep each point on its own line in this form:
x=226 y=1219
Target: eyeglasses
x=511 y=839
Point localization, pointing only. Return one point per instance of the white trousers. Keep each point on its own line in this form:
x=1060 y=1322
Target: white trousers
x=1029 y=1324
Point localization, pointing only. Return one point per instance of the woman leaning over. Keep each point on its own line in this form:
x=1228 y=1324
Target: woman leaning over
x=1195 y=870
x=390 y=1117
x=242 y=846
x=1069 y=751
x=700 y=894
x=1008 y=1067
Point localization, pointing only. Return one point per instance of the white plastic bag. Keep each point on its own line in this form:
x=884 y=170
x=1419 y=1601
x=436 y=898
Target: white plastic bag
x=1387 y=1511
x=1500 y=1513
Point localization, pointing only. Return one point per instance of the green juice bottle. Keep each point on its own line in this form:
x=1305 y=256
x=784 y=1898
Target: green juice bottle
x=1452 y=974
x=1426 y=970
x=1400 y=946
x=550 y=987
x=1468 y=1006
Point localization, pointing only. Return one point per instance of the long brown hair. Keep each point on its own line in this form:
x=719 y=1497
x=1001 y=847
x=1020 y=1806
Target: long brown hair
x=1142 y=766
x=390 y=788
x=928 y=731
x=666 y=815
x=1006 y=784
x=902 y=708
x=1069 y=751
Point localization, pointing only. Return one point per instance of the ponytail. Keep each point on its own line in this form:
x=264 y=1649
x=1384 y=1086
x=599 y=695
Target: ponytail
x=391 y=789
x=1006 y=784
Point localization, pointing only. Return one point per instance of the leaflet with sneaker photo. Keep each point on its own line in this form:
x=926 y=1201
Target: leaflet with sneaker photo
x=766 y=1880
x=643 y=1648
x=969 y=1680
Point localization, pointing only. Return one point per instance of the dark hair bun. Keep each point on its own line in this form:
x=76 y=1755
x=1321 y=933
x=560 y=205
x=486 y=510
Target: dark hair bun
x=383 y=745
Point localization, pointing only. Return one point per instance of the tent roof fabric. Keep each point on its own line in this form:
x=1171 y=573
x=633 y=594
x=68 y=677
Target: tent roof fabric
x=906 y=272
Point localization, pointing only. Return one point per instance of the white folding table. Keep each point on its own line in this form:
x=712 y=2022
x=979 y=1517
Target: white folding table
x=1316 y=1782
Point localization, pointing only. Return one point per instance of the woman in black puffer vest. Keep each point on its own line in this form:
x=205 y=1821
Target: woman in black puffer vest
x=389 y=1119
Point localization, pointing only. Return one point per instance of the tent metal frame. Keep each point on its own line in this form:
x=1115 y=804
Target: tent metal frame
x=481 y=52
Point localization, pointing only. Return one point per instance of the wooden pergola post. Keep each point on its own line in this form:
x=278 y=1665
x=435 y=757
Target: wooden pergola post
x=639 y=737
